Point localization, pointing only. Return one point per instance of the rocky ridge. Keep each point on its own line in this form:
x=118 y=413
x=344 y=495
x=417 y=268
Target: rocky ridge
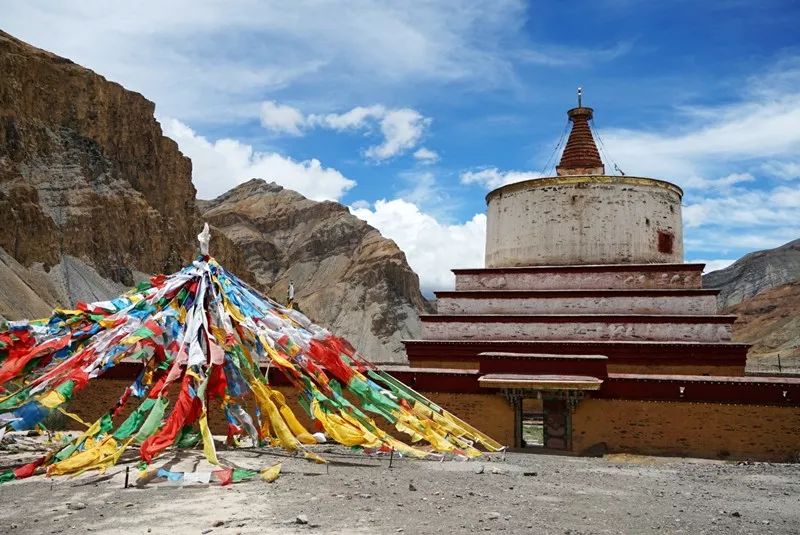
x=771 y=322
x=755 y=273
x=763 y=290
x=346 y=275
x=91 y=191
x=93 y=198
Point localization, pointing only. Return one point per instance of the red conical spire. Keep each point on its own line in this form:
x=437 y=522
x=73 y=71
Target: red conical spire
x=580 y=156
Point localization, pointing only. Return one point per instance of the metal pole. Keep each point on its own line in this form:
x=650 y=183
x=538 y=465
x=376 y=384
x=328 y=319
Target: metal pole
x=391 y=457
x=127 y=473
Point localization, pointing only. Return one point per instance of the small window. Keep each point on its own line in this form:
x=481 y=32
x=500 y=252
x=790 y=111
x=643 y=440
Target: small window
x=666 y=242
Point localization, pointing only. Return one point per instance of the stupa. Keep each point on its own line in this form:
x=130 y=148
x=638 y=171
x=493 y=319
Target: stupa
x=583 y=263
x=586 y=321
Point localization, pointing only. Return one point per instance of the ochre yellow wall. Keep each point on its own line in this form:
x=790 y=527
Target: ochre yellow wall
x=688 y=429
x=531 y=405
x=490 y=413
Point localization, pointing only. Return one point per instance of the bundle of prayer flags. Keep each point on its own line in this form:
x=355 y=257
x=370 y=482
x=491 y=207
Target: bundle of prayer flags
x=201 y=339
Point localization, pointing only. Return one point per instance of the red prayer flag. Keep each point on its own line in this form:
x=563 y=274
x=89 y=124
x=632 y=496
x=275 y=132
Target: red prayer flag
x=27 y=470
x=224 y=476
x=187 y=410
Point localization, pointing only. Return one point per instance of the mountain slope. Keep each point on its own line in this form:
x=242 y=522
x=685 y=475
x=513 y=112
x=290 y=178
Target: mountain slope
x=771 y=322
x=763 y=290
x=346 y=275
x=88 y=186
x=755 y=273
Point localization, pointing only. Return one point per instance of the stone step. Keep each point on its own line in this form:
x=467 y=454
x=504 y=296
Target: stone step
x=712 y=358
x=694 y=328
x=608 y=276
x=650 y=301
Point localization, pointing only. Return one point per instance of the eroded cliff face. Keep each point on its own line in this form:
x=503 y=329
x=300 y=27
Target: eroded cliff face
x=763 y=290
x=93 y=198
x=346 y=275
x=755 y=273
x=88 y=183
x=771 y=322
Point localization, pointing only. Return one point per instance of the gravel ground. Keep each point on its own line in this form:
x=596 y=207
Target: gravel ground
x=525 y=493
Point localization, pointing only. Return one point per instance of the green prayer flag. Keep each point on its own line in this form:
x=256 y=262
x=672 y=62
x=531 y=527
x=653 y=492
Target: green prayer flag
x=143 y=332
x=133 y=422
x=336 y=386
x=188 y=437
x=304 y=403
x=372 y=401
x=153 y=421
x=240 y=474
x=144 y=285
x=66 y=389
x=14 y=400
x=67 y=451
x=106 y=424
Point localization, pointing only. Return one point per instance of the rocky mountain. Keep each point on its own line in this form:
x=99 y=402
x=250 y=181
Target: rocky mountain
x=92 y=194
x=755 y=273
x=346 y=275
x=771 y=322
x=763 y=289
x=93 y=197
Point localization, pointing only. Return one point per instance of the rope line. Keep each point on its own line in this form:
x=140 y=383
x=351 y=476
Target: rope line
x=555 y=149
x=603 y=148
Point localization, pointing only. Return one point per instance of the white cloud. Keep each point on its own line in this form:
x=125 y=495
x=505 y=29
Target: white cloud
x=562 y=56
x=783 y=170
x=423 y=189
x=402 y=129
x=220 y=165
x=722 y=183
x=746 y=209
x=426 y=156
x=281 y=118
x=784 y=197
x=492 y=177
x=739 y=220
x=216 y=61
x=432 y=248
x=714 y=264
x=714 y=140
x=360 y=204
x=735 y=241
x=351 y=120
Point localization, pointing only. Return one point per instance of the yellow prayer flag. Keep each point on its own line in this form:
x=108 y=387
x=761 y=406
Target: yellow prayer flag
x=271 y=474
x=52 y=399
x=208 y=441
x=311 y=456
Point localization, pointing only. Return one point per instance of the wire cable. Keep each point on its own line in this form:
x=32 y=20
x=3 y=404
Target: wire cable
x=555 y=149
x=603 y=148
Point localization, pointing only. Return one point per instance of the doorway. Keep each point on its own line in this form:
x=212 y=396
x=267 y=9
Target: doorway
x=532 y=421
x=543 y=421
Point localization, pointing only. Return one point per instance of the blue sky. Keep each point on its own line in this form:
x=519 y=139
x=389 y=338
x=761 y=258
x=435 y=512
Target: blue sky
x=410 y=112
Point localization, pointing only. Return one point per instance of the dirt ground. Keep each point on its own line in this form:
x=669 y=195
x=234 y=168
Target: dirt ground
x=356 y=493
